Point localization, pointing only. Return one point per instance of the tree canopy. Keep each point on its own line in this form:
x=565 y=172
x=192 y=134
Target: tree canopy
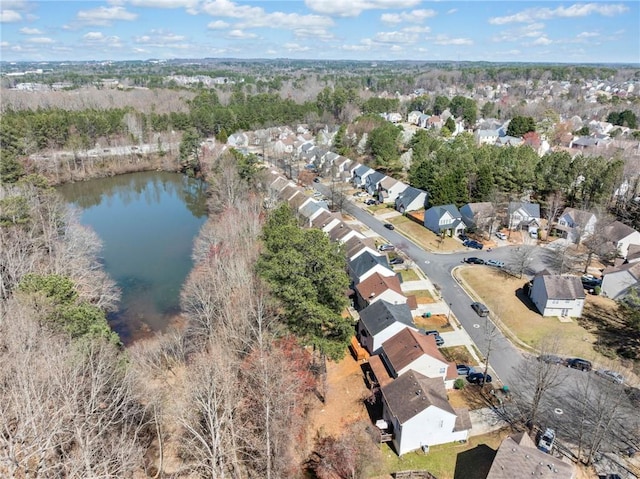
x=519 y=125
x=306 y=272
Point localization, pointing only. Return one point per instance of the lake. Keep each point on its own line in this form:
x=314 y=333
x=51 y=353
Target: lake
x=147 y=223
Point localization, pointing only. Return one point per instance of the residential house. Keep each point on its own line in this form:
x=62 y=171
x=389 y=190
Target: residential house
x=479 y=216
x=389 y=189
x=355 y=246
x=486 y=137
x=509 y=141
x=377 y=287
x=288 y=192
x=435 y=122
x=556 y=295
x=309 y=211
x=238 y=140
x=380 y=321
x=372 y=181
x=411 y=350
x=523 y=215
x=518 y=456
x=423 y=119
x=444 y=219
x=366 y=264
x=576 y=225
x=622 y=236
x=323 y=219
x=341 y=167
x=413 y=117
x=617 y=281
x=343 y=232
x=360 y=175
x=411 y=199
x=419 y=414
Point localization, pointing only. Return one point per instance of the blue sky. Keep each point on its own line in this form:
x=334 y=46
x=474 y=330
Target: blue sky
x=542 y=31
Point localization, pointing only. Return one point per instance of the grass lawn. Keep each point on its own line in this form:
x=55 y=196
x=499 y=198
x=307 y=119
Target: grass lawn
x=424 y=296
x=503 y=295
x=409 y=275
x=435 y=321
x=423 y=237
x=459 y=354
x=471 y=460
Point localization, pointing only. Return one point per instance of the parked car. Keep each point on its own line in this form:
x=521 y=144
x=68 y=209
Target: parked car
x=501 y=235
x=396 y=260
x=495 y=263
x=389 y=226
x=386 y=247
x=551 y=359
x=473 y=244
x=473 y=260
x=463 y=237
x=479 y=378
x=612 y=376
x=433 y=332
x=545 y=443
x=370 y=201
x=316 y=180
x=464 y=370
x=579 y=363
x=480 y=309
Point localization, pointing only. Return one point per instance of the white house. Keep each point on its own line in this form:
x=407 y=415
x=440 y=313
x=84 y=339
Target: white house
x=377 y=287
x=523 y=215
x=413 y=117
x=486 y=137
x=381 y=320
x=576 y=225
x=617 y=281
x=366 y=264
x=411 y=199
x=355 y=246
x=412 y=350
x=389 y=189
x=622 y=236
x=360 y=175
x=444 y=219
x=418 y=413
x=556 y=295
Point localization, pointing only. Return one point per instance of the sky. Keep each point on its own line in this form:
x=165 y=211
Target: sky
x=494 y=31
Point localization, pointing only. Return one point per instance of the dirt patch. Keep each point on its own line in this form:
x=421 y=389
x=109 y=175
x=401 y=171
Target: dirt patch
x=435 y=321
x=458 y=354
x=345 y=392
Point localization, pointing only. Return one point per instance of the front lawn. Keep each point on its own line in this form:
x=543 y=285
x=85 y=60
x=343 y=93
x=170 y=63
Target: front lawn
x=423 y=237
x=409 y=275
x=435 y=321
x=458 y=354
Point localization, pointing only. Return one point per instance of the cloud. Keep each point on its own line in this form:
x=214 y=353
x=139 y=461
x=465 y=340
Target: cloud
x=353 y=8
x=41 y=40
x=577 y=10
x=446 y=40
x=452 y=11
x=257 y=17
x=104 y=15
x=417 y=29
x=241 y=34
x=295 y=47
x=543 y=40
x=395 y=37
x=10 y=16
x=30 y=31
x=588 y=34
x=93 y=36
x=315 y=33
x=99 y=38
x=188 y=4
x=217 y=25
x=526 y=31
x=4 y=44
x=160 y=39
x=414 y=16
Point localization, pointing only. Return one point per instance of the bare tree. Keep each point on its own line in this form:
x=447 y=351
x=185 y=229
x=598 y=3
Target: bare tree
x=554 y=204
x=520 y=259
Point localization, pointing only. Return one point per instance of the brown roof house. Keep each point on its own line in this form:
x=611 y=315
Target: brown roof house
x=412 y=350
x=518 y=456
x=377 y=287
x=418 y=413
x=556 y=295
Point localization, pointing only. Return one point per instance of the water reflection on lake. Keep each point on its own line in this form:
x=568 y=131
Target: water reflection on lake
x=147 y=222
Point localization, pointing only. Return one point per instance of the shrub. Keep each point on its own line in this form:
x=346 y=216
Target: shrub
x=458 y=383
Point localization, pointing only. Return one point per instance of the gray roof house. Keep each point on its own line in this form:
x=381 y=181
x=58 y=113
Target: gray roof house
x=360 y=174
x=389 y=189
x=411 y=199
x=479 y=215
x=419 y=413
x=622 y=236
x=380 y=321
x=556 y=295
x=310 y=210
x=372 y=181
x=444 y=219
x=523 y=215
x=617 y=281
x=364 y=265
x=575 y=225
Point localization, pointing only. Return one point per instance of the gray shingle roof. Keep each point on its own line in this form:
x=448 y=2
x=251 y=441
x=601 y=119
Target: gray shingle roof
x=532 y=209
x=563 y=287
x=365 y=262
x=380 y=315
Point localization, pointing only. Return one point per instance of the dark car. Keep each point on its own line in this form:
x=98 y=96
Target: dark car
x=479 y=378
x=433 y=332
x=551 y=359
x=474 y=260
x=473 y=244
x=580 y=364
x=316 y=180
x=480 y=309
x=463 y=237
x=389 y=226
x=396 y=260
x=370 y=202
x=464 y=370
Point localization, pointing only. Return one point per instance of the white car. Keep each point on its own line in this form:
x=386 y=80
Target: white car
x=546 y=441
x=501 y=235
x=533 y=234
x=495 y=263
x=612 y=376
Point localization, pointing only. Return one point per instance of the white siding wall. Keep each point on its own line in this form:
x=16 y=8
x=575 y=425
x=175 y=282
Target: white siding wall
x=430 y=367
x=564 y=307
x=390 y=296
x=385 y=334
x=431 y=427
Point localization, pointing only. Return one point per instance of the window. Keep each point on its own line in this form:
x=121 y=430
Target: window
x=443 y=370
